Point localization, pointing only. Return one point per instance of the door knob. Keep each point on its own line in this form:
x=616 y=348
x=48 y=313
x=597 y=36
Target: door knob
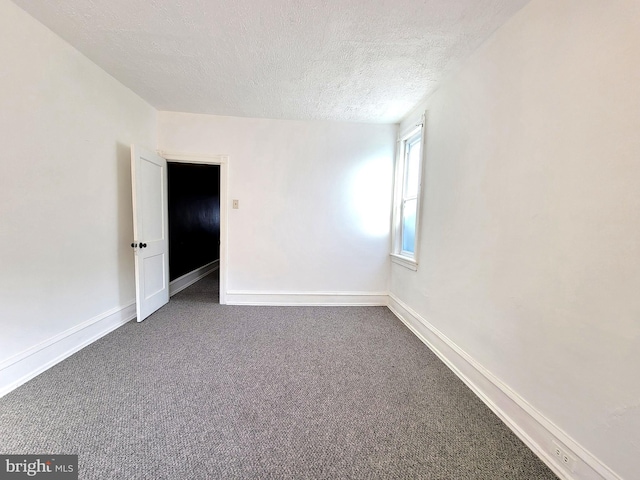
x=134 y=245
x=143 y=245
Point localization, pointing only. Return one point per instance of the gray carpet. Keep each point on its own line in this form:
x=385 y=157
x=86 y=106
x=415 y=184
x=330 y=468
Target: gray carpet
x=207 y=391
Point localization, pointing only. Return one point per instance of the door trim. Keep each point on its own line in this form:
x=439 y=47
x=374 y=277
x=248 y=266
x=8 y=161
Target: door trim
x=223 y=162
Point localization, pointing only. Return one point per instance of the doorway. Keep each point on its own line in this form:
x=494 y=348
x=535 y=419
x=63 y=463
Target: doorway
x=194 y=223
x=204 y=222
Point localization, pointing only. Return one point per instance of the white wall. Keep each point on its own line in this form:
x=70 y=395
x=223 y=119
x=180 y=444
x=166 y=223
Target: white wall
x=530 y=238
x=314 y=201
x=65 y=188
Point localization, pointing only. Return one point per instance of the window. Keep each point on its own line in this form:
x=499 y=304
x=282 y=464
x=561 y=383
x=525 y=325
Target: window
x=407 y=199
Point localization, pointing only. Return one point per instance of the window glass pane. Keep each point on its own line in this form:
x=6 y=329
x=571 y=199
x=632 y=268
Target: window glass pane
x=412 y=168
x=409 y=225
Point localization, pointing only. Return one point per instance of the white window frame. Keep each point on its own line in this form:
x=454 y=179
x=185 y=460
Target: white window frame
x=399 y=256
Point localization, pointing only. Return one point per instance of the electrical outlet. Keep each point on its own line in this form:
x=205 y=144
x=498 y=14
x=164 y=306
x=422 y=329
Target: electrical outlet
x=564 y=457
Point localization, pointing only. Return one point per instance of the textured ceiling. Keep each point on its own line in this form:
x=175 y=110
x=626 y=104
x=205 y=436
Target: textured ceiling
x=353 y=60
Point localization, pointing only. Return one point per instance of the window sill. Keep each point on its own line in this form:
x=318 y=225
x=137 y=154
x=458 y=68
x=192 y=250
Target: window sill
x=406 y=262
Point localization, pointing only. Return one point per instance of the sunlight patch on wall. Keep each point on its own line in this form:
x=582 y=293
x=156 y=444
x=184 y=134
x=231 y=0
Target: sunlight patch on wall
x=370 y=196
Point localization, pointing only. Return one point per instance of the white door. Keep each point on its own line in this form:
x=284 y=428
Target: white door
x=150 y=230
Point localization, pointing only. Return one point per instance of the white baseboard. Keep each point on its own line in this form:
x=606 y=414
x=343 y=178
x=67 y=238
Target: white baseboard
x=307 y=298
x=24 y=366
x=536 y=431
x=190 y=278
